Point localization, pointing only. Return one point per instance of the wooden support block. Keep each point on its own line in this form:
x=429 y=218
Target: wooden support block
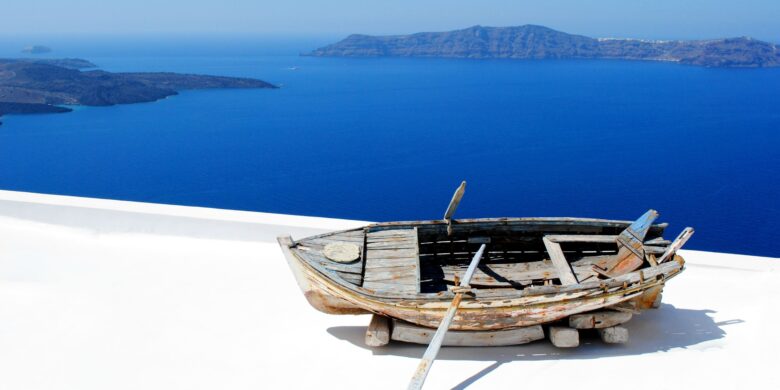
x=563 y=337
x=378 y=331
x=598 y=319
x=614 y=335
x=410 y=333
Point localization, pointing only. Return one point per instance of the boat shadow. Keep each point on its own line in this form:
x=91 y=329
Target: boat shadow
x=652 y=331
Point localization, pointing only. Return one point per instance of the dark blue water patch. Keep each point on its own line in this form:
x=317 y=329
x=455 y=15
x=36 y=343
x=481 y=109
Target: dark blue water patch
x=390 y=139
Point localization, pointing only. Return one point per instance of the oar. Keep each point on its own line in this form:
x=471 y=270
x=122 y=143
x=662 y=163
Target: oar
x=676 y=245
x=433 y=348
x=456 y=197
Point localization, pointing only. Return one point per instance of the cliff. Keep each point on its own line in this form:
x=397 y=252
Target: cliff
x=538 y=42
x=37 y=86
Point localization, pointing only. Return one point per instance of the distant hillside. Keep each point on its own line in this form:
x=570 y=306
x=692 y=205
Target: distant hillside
x=538 y=42
x=70 y=63
x=38 y=86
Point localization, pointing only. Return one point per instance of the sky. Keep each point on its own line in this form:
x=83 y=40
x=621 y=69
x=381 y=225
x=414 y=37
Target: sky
x=652 y=19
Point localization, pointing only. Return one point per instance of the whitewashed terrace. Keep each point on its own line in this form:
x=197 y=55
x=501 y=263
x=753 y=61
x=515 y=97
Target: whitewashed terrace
x=99 y=294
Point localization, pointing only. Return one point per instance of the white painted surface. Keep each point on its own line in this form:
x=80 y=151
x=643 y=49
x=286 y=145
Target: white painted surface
x=98 y=294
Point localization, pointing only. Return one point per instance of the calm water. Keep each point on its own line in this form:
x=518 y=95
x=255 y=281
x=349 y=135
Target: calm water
x=390 y=139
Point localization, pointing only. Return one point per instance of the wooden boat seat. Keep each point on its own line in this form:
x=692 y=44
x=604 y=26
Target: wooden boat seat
x=392 y=261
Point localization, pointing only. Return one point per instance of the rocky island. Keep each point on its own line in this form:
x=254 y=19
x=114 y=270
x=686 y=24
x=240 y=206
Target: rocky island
x=538 y=42
x=41 y=86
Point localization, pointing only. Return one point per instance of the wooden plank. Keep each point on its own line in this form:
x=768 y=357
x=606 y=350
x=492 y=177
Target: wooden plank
x=354 y=267
x=410 y=333
x=600 y=271
x=384 y=287
x=406 y=244
x=658 y=241
x=391 y=274
x=600 y=260
x=383 y=254
x=399 y=242
x=565 y=273
x=335 y=238
x=355 y=237
x=406 y=278
x=631 y=254
x=569 y=221
x=400 y=267
x=651 y=259
x=355 y=279
x=581 y=238
x=378 y=331
x=393 y=266
x=417 y=273
x=388 y=234
x=598 y=319
x=639 y=228
x=397 y=265
x=502 y=274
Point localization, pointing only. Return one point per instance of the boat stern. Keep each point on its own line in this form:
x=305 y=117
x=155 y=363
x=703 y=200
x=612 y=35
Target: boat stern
x=651 y=298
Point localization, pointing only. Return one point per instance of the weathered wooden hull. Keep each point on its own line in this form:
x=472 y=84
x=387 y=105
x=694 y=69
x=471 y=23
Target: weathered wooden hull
x=311 y=286
x=535 y=305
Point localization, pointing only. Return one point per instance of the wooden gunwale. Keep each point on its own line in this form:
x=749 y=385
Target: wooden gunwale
x=610 y=222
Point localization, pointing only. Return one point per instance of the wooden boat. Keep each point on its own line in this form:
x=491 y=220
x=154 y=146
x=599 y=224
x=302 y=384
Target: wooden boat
x=533 y=270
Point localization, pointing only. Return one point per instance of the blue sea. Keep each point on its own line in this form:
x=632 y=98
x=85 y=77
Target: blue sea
x=391 y=138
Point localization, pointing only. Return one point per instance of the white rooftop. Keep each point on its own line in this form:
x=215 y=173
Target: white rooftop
x=99 y=294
